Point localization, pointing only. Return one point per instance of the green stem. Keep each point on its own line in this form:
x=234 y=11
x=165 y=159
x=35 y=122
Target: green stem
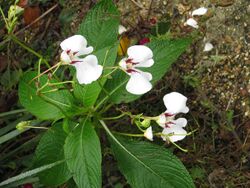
x=39 y=69
x=4 y=18
x=35 y=127
x=111 y=72
x=128 y=134
x=60 y=83
x=107 y=97
x=179 y=147
x=115 y=117
x=50 y=91
x=49 y=69
x=16 y=40
x=12 y=112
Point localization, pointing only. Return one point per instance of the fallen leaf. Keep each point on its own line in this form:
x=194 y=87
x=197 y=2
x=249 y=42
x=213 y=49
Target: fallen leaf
x=124 y=44
x=31 y=14
x=23 y=3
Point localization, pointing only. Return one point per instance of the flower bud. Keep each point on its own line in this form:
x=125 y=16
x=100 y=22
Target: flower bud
x=22 y=125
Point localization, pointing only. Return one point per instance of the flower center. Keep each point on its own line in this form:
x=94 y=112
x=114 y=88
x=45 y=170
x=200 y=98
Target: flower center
x=167 y=124
x=130 y=65
x=168 y=115
x=72 y=56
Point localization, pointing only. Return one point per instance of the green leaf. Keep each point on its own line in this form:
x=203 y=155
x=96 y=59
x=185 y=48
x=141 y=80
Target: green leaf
x=165 y=53
x=146 y=165
x=29 y=173
x=53 y=105
x=100 y=26
x=88 y=94
x=83 y=153
x=49 y=150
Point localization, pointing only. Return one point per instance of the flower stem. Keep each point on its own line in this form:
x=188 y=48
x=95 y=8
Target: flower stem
x=111 y=72
x=115 y=117
x=60 y=83
x=49 y=69
x=16 y=40
x=128 y=134
x=179 y=147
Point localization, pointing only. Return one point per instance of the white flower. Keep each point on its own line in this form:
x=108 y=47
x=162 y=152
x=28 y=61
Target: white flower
x=208 y=47
x=73 y=47
x=149 y=133
x=138 y=56
x=175 y=103
x=192 y=22
x=174 y=131
x=199 y=12
x=87 y=69
x=121 y=29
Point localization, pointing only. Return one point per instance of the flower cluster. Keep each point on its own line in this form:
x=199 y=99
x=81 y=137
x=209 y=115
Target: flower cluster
x=192 y=21
x=173 y=129
x=88 y=70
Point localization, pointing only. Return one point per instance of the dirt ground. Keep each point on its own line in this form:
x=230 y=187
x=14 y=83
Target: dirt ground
x=217 y=83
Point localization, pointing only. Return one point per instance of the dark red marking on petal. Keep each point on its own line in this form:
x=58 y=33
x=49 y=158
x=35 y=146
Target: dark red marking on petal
x=169 y=123
x=74 y=53
x=168 y=114
x=130 y=61
x=73 y=62
x=131 y=70
x=68 y=51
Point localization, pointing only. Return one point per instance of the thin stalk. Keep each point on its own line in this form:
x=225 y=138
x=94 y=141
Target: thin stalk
x=16 y=40
x=60 y=83
x=12 y=112
x=128 y=134
x=4 y=18
x=115 y=117
x=111 y=72
x=12 y=125
x=49 y=69
x=39 y=69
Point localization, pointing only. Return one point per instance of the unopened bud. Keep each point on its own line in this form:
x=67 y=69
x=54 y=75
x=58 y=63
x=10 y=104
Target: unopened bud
x=22 y=125
x=146 y=123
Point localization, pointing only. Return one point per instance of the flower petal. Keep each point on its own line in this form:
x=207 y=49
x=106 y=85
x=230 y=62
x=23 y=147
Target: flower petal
x=147 y=63
x=85 y=51
x=88 y=70
x=149 y=133
x=175 y=103
x=208 y=47
x=199 y=12
x=65 y=57
x=138 y=83
x=123 y=64
x=161 y=120
x=76 y=43
x=139 y=53
x=121 y=29
x=180 y=122
x=178 y=133
x=192 y=22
